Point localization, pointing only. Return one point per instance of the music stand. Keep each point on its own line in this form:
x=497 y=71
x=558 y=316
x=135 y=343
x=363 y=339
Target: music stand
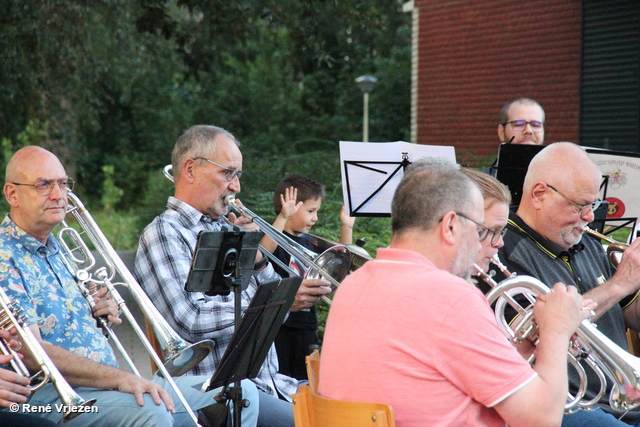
x=512 y=164
x=223 y=260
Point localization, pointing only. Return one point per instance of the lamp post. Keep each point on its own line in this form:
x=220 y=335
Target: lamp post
x=366 y=84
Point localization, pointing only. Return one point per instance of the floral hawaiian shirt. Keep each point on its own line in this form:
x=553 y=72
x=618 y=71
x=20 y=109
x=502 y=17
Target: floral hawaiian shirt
x=34 y=275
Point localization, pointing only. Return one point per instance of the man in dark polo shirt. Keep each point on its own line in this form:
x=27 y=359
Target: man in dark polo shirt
x=546 y=241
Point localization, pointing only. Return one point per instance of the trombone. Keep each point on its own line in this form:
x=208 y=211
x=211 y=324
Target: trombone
x=180 y=356
x=10 y=318
x=333 y=264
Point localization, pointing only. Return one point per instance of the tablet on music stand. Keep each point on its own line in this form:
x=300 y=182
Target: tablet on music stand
x=216 y=256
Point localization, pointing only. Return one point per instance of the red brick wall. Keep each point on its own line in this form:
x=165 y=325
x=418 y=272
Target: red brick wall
x=475 y=56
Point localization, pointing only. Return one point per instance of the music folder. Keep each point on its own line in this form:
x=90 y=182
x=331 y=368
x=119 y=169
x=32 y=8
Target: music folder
x=256 y=332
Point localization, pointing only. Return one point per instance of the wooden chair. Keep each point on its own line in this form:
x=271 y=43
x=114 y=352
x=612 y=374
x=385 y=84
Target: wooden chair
x=151 y=336
x=312 y=410
x=313 y=369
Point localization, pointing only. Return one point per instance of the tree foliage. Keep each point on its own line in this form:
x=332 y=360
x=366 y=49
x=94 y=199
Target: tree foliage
x=114 y=83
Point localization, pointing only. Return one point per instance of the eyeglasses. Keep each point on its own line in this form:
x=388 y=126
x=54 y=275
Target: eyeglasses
x=520 y=125
x=230 y=173
x=483 y=231
x=496 y=234
x=579 y=208
x=45 y=187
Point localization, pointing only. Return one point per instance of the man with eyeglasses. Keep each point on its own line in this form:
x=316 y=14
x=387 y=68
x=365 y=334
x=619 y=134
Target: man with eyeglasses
x=546 y=240
x=407 y=329
x=207 y=166
x=39 y=280
x=522 y=122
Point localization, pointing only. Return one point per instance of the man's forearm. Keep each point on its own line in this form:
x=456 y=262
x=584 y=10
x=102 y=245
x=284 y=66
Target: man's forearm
x=81 y=372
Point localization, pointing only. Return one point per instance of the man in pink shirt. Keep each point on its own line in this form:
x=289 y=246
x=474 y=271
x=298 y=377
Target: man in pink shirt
x=408 y=330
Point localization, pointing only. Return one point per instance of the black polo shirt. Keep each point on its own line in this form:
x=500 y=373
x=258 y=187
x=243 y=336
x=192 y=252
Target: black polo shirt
x=584 y=265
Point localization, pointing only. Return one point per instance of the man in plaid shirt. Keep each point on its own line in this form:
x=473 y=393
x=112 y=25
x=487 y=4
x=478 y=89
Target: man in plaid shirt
x=207 y=166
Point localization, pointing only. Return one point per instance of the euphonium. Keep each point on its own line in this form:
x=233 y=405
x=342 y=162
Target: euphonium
x=10 y=318
x=615 y=248
x=524 y=328
x=622 y=368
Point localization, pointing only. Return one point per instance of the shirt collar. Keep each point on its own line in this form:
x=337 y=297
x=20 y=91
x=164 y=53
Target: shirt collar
x=25 y=239
x=547 y=246
x=189 y=214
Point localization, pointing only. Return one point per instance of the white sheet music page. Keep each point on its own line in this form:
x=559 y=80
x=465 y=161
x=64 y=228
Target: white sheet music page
x=371 y=171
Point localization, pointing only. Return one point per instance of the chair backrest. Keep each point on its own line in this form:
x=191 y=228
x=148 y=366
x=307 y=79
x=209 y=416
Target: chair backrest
x=151 y=336
x=312 y=410
x=313 y=370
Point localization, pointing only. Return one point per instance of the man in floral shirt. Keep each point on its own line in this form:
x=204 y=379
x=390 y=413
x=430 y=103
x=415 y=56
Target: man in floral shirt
x=34 y=275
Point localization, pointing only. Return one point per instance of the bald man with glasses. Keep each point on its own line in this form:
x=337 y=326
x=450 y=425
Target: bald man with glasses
x=546 y=240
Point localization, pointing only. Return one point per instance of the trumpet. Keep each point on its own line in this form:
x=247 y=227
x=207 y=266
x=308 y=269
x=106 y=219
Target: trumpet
x=605 y=357
x=10 y=318
x=615 y=248
x=180 y=356
x=332 y=265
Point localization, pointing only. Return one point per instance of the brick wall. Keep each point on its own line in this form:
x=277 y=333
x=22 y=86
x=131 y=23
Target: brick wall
x=474 y=56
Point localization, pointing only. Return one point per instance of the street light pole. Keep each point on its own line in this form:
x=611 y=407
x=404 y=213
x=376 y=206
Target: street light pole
x=366 y=84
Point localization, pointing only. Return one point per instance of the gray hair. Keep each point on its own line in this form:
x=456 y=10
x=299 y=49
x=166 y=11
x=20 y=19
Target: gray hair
x=197 y=141
x=429 y=189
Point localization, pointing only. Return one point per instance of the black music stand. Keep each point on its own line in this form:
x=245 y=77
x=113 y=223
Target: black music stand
x=512 y=164
x=223 y=260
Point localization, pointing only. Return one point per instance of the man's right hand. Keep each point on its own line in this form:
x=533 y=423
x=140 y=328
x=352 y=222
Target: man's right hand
x=139 y=386
x=13 y=387
x=309 y=293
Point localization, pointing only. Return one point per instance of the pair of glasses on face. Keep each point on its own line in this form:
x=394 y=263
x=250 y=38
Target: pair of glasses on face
x=520 y=125
x=484 y=231
x=580 y=209
x=44 y=187
x=229 y=173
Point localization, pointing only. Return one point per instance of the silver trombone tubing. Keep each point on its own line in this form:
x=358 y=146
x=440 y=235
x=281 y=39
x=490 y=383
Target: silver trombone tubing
x=10 y=318
x=338 y=258
x=180 y=356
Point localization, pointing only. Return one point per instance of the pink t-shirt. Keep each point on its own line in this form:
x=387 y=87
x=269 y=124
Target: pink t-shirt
x=402 y=332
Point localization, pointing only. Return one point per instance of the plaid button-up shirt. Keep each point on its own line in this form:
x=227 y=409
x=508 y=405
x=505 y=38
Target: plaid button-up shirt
x=162 y=265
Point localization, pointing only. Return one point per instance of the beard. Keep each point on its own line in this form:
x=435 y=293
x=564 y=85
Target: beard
x=570 y=235
x=463 y=262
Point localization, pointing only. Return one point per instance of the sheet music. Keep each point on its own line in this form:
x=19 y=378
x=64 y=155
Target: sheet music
x=373 y=170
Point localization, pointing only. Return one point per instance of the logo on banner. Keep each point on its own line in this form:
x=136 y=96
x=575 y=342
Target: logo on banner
x=617 y=179
x=616 y=207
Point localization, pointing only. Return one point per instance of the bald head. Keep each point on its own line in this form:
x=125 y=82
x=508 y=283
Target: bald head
x=560 y=187
x=562 y=162
x=35 y=211
x=26 y=160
